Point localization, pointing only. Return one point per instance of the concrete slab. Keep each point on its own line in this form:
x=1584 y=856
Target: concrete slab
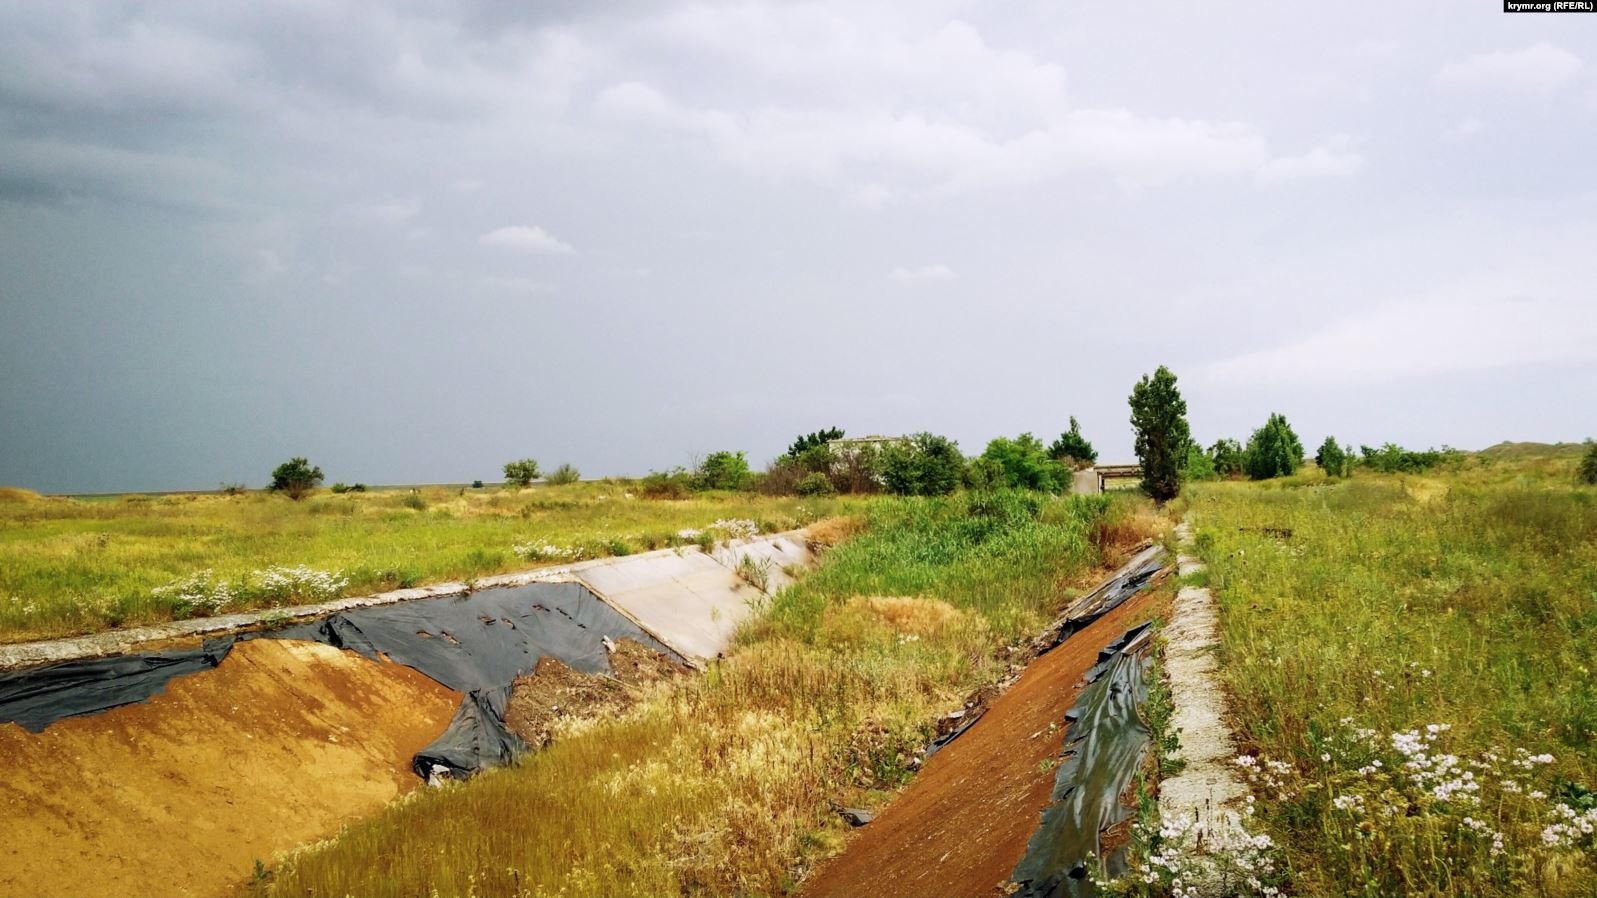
x=689 y=601
x=773 y=555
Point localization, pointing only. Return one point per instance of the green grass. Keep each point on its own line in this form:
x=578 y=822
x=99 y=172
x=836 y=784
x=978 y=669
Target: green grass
x=79 y=565
x=722 y=786
x=1465 y=598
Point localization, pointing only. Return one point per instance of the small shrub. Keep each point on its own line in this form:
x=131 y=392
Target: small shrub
x=476 y=484
x=1072 y=449
x=1199 y=466
x=1333 y=459
x=415 y=500
x=295 y=477
x=1587 y=472
x=722 y=471
x=1273 y=450
x=924 y=464
x=671 y=484
x=233 y=489
x=1394 y=459
x=1025 y=464
x=1227 y=457
x=339 y=488
x=563 y=475
x=521 y=473
x=781 y=477
x=815 y=484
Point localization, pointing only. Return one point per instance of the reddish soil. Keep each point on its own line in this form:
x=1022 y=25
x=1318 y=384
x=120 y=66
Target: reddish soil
x=282 y=744
x=961 y=826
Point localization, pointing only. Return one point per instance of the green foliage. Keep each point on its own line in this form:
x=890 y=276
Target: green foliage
x=1392 y=609
x=1587 y=472
x=1273 y=450
x=521 y=473
x=1198 y=466
x=924 y=464
x=1394 y=459
x=476 y=484
x=1072 y=448
x=1334 y=460
x=295 y=477
x=722 y=471
x=563 y=475
x=673 y=484
x=1159 y=416
x=816 y=440
x=342 y=488
x=1227 y=456
x=815 y=483
x=1023 y=463
x=982 y=473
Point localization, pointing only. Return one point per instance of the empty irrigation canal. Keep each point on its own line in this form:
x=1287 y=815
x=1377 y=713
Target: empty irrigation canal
x=172 y=770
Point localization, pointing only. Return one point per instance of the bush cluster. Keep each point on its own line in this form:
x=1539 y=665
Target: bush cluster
x=1394 y=459
x=923 y=464
x=521 y=473
x=1274 y=450
x=1587 y=471
x=1020 y=463
x=1072 y=448
x=1334 y=460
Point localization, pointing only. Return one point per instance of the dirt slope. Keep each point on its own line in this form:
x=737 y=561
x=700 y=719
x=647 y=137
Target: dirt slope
x=963 y=823
x=281 y=744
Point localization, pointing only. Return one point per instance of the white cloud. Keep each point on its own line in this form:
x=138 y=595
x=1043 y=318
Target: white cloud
x=525 y=238
x=1469 y=327
x=926 y=274
x=884 y=116
x=1539 y=68
x=1334 y=160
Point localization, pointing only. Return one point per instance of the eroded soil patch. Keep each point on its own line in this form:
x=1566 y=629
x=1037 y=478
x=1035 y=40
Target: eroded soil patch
x=554 y=693
x=961 y=826
x=181 y=794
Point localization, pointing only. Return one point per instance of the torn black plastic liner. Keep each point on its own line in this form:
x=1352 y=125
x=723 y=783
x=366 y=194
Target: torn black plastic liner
x=1132 y=577
x=476 y=644
x=1106 y=740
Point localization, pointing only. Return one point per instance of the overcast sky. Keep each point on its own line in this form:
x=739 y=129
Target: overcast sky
x=414 y=245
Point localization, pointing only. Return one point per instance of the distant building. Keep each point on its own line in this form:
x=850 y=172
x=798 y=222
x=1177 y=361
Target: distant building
x=874 y=441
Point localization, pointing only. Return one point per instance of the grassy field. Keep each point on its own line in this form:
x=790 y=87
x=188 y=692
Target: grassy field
x=722 y=786
x=1412 y=663
x=79 y=565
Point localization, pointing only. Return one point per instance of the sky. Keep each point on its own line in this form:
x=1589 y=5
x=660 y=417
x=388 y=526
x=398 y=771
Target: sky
x=415 y=241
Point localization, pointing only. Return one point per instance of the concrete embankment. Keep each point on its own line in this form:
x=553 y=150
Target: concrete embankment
x=177 y=789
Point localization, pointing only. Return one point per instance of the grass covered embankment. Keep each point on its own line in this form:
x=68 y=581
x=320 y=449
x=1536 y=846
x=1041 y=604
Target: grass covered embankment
x=1413 y=665
x=722 y=786
x=71 y=566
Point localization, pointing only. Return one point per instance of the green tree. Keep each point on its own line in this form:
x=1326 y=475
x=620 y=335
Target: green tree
x=1273 y=450
x=295 y=477
x=1198 y=466
x=722 y=471
x=1333 y=459
x=1587 y=472
x=815 y=440
x=1159 y=416
x=1072 y=448
x=521 y=473
x=923 y=464
x=1227 y=456
x=1025 y=464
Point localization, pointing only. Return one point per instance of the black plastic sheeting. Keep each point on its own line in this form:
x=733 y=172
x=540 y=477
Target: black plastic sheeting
x=38 y=697
x=1111 y=594
x=1107 y=741
x=477 y=644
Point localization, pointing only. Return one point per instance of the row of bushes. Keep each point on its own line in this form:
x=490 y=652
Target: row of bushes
x=1274 y=450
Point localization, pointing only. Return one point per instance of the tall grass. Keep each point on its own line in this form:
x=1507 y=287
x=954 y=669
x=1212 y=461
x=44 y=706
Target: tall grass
x=1466 y=602
x=71 y=566
x=722 y=786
